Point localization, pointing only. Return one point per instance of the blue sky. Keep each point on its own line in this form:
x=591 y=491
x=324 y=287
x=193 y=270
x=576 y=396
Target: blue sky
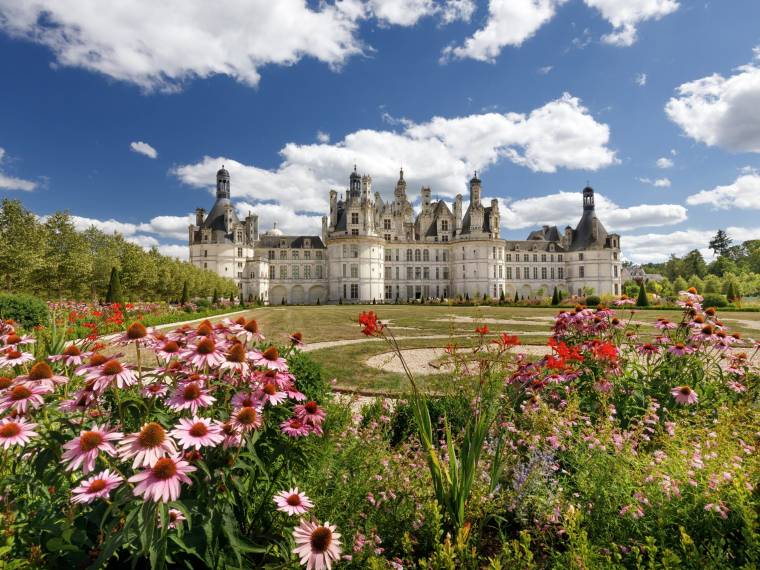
x=654 y=102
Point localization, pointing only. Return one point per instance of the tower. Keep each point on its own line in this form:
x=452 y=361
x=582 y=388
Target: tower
x=588 y=198
x=475 y=191
x=354 y=186
x=222 y=183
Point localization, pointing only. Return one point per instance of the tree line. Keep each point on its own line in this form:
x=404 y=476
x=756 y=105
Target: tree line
x=54 y=261
x=735 y=265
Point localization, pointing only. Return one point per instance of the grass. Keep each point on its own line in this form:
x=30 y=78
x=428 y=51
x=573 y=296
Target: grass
x=412 y=323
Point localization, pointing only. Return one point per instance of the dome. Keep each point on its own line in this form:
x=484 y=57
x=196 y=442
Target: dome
x=475 y=178
x=222 y=173
x=274 y=231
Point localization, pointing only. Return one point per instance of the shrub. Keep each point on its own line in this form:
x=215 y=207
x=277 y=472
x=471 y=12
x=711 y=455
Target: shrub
x=26 y=310
x=642 y=300
x=185 y=297
x=311 y=377
x=114 y=293
x=714 y=300
x=456 y=408
x=203 y=303
x=555 y=296
x=591 y=300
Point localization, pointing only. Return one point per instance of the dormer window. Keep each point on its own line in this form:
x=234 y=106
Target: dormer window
x=307 y=243
x=283 y=243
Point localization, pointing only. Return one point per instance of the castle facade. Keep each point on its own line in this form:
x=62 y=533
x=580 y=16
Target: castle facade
x=371 y=250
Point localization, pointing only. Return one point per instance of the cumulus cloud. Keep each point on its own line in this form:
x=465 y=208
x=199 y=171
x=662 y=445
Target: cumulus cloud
x=721 y=111
x=8 y=182
x=744 y=193
x=565 y=208
x=510 y=23
x=656 y=247
x=323 y=137
x=545 y=70
x=409 y=12
x=641 y=79
x=181 y=252
x=625 y=15
x=144 y=148
x=657 y=182
x=174 y=227
x=109 y=226
x=664 y=163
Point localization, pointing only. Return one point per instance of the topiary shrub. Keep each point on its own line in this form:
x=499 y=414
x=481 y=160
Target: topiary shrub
x=592 y=301
x=311 y=377
x=642 y=300
x=27 y=310
x=714 y=300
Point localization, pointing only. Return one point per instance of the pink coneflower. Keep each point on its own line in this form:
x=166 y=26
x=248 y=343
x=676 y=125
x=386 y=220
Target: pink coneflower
x=247 y=418
x=112 y=372
x=22 y=396
x=296 y=339
x=232 y=437
x=310 y=413
x=72 y=355
x=168 y=350
x=270 y=358
x=16 y=432
x=41 y=373
x=197 y=433
x=680 y=349
x=236 y=358
x=96 y=487
x=14 y=339
x=84 y=449
x=292 y=502
x=706 y=332
x=190 y=396
x=175 y=518
x=316 y=545
x=154 y=390
x=96 y=359
x=251 y=331
x=161 y=482
x=204 y=353
x=14 y=357
x=246 y=399
x=147 y=446
x=136 y=332
x=664 y=324
x=294 y=427
x=269 y=393
x=684 y=395
x=648 y=349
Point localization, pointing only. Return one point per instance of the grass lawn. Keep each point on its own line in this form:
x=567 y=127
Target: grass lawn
x=414 y=325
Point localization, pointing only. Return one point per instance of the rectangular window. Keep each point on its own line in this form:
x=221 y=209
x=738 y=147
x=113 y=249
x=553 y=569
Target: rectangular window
x=580 y=257
x=354 y=271
x=344 y=290
x=444 y=225
x=388 y=273
x=501 y=271
x=389 y=291
x=444 y=238
x=295 y=272
x=295 y=255
x=319 y=272
x=437 y=273
x=552 y=273
x=354 y=251
x=386 y=224
x=559 y=257
x=396 y=254
x=543 y=273
x=517 y=272
x=494 y=272
x=509 y=273
x=205 y=253
x=307 y=255
x=509 y=257
x=283 y=271
x=387 y=237
x=307 y=271
x=535 y=273
x=271 y=271
x=444 y=256
x=283 y=254
x=409 y=271
x=543 y=257
x=581 y=271
x=354 y=290
x=354 y=232
x=240 y=273
x=319 y=255
x=397 y=274
x=446 y=273
x=270 y=254
x=344 y=270
x=526 y=273
x=560 y=272
x=615 y=268
x=355 y=217
x=240 y=252
x=535 y=258
x=426 y=273
x=418 y=273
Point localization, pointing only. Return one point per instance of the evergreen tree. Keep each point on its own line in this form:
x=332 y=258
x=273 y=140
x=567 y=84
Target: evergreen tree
x=720 y=243
x=184 y=298
x=517 y=297
x=232 y=297
x=318 y=303
x=501 y=297
x=114 y=294
x=555 y=296
x=240 y=297
x=215 y=297
x=642 y=300
x=732 y=294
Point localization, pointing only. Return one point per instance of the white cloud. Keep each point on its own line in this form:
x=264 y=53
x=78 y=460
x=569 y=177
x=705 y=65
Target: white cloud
x=181 y=252
x=146 y=242
x=744 y=193
x=510 y=23
x=109 y=226
x=720 y=111
x=323 y=137
x=545 y=70
x=11 y=182
x=409 y=12
x=441 y=153
x=656 y=247
x=641 y=79
x=141 y=147
x=565 y=208
x=288 y=220
x=664 y=163
x=625 y=15
x=174 y=227
x=657 y=183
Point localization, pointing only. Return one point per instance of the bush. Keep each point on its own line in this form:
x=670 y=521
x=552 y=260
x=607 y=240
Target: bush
x=456 y=408
x=592 y=300
x=714 y=300
x=642 y=300
x=26 y=310
x=311 y=377
x=203 y=303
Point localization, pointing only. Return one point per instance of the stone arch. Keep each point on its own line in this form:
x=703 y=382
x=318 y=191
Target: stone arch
x=277 y=294
x=526 y=292
x=317 y=293
x=297 y=295
x=509 y=292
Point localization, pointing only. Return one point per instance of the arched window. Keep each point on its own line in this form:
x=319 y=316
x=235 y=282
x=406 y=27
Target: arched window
x=425 y=255
x=408 y=254
x=416 y=255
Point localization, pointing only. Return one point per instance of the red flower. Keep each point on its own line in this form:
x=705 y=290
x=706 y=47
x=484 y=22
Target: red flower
x=482 y=330
x=507 y=340
x=368 y=320
x=605 y=351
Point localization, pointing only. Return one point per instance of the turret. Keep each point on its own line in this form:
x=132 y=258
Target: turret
x=400 y=191
x=458 y=213
x=588 y=198
x=366 y=187
x=200 y=213
x=475 y=191
x=333 y=208
x=354 y=185
x=425 y=195
x=222 y=183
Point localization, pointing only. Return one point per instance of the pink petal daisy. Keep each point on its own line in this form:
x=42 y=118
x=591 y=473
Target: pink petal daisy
x=247 y=419
x=16 y=432
x=292 y=502
x=251 y=332
x=684 y=395
x=246 y=399
x=190 y=396
x=269 y=393
x=318 y=546
x=168 y=350
x=96 y=487
x=14 y=357
x=155 y=390
x=147 y=446
x=296 y=339
x=175 y=518
x=22 y=396
x=232 y=437
x=269 y=358
x=161 y=481
x=204 y=353
x=13 y=339
x=236 y=358
x=72 y=355
x=294 y=427
x=41 y=373
x=83 y=450
x=680 y=349
x=136 y=332
x=311 y=413
x=112 y=372
x=197 y=433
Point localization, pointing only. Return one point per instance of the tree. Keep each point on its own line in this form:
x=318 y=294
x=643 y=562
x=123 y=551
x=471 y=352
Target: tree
x=679 y=284
x=732 y=293
x=240 y=297
x=722 y=265
x=642 y=300
x=712 y=284
x=184 y=298
x=232 y=296
x=517 y=297
x=114 y=294
x=215 y=297
x=693 y=264
x=720 y=243
x=555 y=296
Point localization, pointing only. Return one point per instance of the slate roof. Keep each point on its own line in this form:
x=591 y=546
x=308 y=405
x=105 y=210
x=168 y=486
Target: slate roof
x=215 y=218
x=291 y=242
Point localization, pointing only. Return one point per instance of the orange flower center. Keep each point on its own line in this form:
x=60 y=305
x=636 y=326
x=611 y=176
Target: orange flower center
x=191 y=392
x=311 y=407
x=198 y=429
x=228 y=429
x=297 y=336
x=270 y=389
x=11 y=429
x=240 y=321
x=96 y=486
x=236 y=353
x=152 y=435
x=164 y=469
x=247 y=416
x=293 y=500
x=97 y=359
x=5 y=382
x=12 y=339
x=204 y=329
x=707 y=329
x=112 y=367
x=40 y=371
x=13 y=354
x=321 y=539
x=72 y=350
x=271 y=354
x=90 y=440
x=252 y=326
x=685 y=390
x=296 y=424
x=136 y=331
x=20 y=393
x=171 y=347
x=206 y=346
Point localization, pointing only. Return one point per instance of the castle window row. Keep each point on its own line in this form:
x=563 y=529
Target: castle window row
x=294 y=254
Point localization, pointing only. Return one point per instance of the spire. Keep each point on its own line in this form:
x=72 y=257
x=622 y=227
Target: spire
x=588 y=198
x=401 y=174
